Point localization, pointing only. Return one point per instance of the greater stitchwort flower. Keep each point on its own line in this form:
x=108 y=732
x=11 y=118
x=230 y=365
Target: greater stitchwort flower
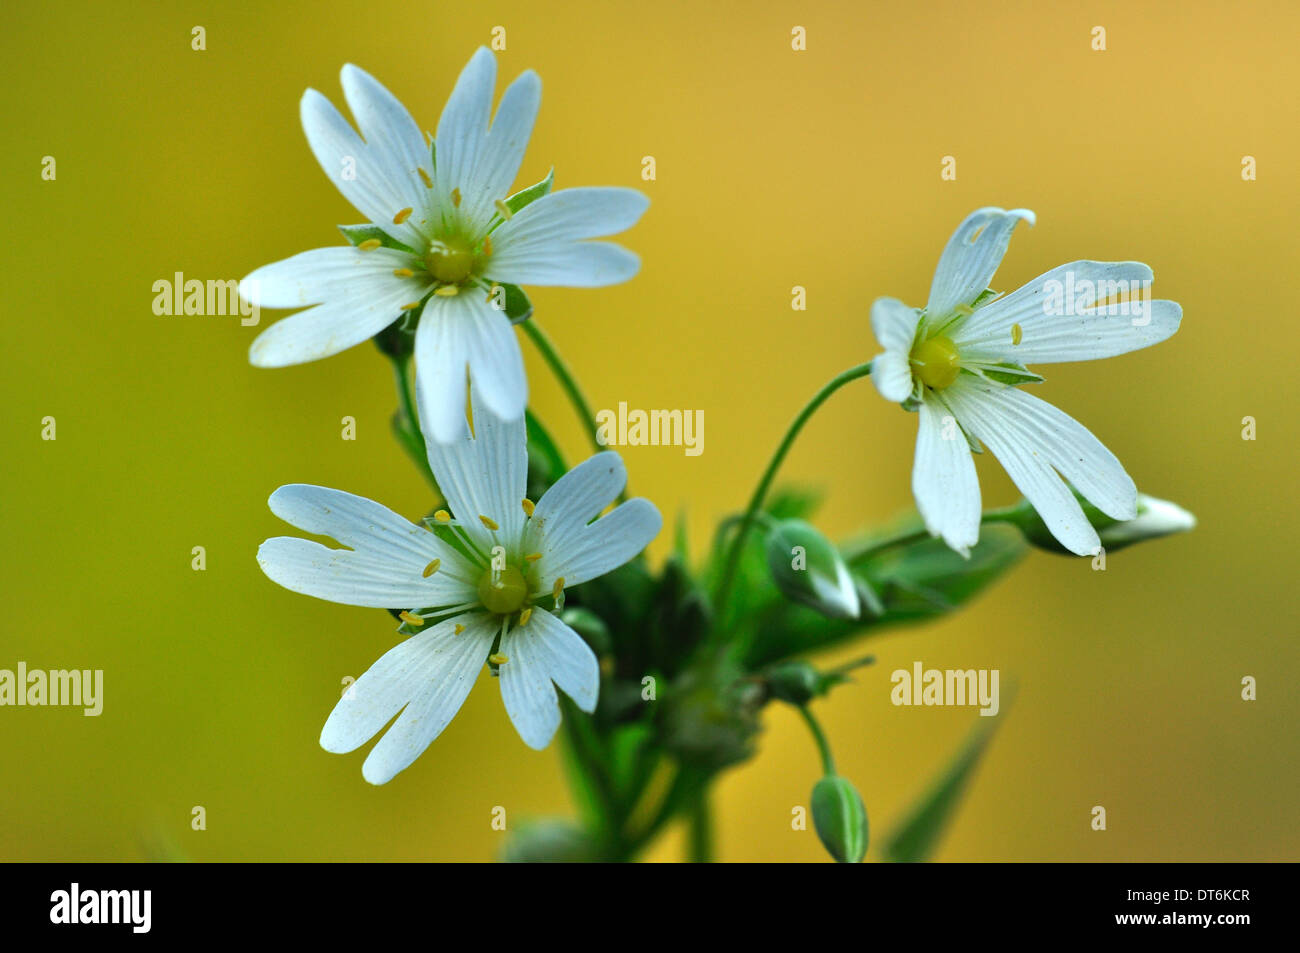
x=447 y=240
x=492 y=575
x=960 y=363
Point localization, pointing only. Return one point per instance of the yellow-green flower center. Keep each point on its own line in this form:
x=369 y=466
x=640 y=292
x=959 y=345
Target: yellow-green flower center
x=451 y=261
x=936 y=361
x=503 y=591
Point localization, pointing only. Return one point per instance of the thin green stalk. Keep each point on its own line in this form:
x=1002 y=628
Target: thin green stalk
x=823 y=747
x=765 y=483
x=700 y=831
x=562 y=373
x=870 y=546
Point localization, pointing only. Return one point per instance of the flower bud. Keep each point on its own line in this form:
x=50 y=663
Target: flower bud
x=808 y=568
x=1155 y=518
x=840 y=818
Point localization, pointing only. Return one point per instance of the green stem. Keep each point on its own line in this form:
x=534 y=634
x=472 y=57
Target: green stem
x=408 y=430
x=1004 y=515
x=765 y=483
x=700 y=831
x=823 y=747
x=566 y=379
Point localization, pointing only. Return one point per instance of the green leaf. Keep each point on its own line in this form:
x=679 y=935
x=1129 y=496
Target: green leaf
x=917 y=836
x=356 y=234
x=840 y=818
x=531 y=194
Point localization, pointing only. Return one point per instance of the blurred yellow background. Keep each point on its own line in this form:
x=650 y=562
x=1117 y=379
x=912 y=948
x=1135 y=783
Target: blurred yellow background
x=775 y=168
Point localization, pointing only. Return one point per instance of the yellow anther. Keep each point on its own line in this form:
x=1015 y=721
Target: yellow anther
x=402 y=216
x=442 y=516
x=403 y=272
x=529 y=506
x=459 y=628
x=487 y=245
x=558 y=587
x=411 y=307
x=504 y=210
x=525 y=615
x=410 y=619
x=1016 y=333
x=937 y=362
x=489 y=522
x=496 y=658
x=430 y=569
x=370 y=244
x=533 y=557
x=428 y=182
x=447 y=291
x=455 y=197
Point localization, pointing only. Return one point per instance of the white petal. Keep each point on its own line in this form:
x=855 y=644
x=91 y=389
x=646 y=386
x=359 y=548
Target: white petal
x=894 y=324
x=463 y=132
x=565 y=264
x=364 y=174
x=339 y=273
x=441 y=365
x=543 y=652
x=485 y=475
x=504 y=150
x=565 y=656
x=892 y=375
x=447 y=683
x=571 y=544
x=572 y=215
x=540 y=244
x=1031 y=437
x=944 y=483
x=391 y=135
x=1048 y=338
x=463 y=334
x=329 y=328
x=429 y=675
x=407 y=670
x=384 y=566
x=970 y=259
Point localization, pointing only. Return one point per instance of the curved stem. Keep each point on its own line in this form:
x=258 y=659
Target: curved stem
x=765 y=482
x=409 y=433
x=566 y=379
x=823 y=747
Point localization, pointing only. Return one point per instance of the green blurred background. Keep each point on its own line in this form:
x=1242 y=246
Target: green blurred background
x=775 y=168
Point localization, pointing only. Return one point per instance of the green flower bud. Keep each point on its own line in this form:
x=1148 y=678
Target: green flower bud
x=795 y=682
x=1155 y=518
x=808 y=568
x=549 y=842
x=840 y=818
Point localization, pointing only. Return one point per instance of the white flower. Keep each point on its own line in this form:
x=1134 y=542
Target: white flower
x=1155 y=518
x=446 y=206
x=958 y=361
x=483 y=573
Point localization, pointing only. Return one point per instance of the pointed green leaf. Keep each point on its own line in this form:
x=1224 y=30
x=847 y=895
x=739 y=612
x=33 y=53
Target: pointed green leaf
x=531 y=194
x=917 y=836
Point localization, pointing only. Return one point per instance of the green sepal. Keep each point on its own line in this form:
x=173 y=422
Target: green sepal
x=517 y=306
x=1008 y=372
x=531 y=194
x=356 y=234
